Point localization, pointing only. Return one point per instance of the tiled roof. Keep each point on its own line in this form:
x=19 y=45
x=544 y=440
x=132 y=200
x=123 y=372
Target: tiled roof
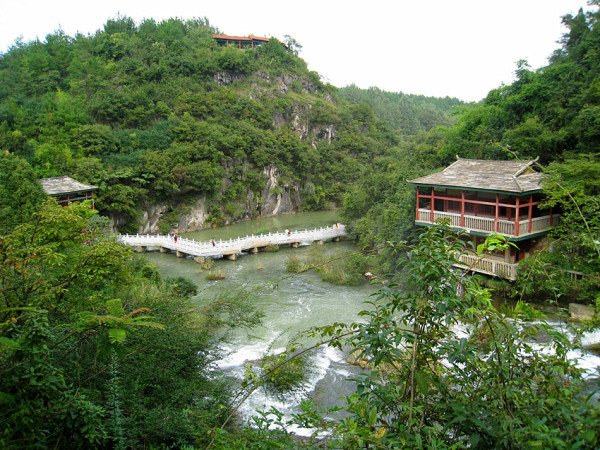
x=64 y=185
x=241 y=38
x=503 y=176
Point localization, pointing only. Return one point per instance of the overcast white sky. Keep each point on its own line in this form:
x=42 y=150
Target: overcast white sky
x=459 y=48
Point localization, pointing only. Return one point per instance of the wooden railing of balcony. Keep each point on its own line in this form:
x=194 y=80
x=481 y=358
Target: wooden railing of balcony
x=515 y=206
x=487 y=266
x=490 y=224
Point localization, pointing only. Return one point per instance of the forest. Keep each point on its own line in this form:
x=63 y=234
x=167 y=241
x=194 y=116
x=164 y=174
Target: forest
x=97 y=350
x=161 y=114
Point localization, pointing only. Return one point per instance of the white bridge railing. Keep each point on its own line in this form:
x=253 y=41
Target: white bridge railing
x=232 y=246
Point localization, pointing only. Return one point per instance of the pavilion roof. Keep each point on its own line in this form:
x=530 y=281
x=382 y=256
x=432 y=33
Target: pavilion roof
x=241 y=38
x=489 y=175
x=64 y=185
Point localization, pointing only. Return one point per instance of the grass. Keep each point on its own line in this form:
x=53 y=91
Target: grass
x=215 y=275
x=288 y=376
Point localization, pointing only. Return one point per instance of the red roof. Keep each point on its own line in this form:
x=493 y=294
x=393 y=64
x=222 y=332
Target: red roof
x=241 y=38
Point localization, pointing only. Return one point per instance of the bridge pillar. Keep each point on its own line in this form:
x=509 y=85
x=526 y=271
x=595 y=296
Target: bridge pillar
x=295 y=244
x=336 y=239
x=140 y=249
x=264 y=249
x=320 y=242
x=254 y=250
x=180 y=254
x=231 y=257
x=163 y=249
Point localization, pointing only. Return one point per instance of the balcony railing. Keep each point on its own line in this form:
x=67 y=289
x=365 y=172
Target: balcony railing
x=488 y=224
x=488 y=266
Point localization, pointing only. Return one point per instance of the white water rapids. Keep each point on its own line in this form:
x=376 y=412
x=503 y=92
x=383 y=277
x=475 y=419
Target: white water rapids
x=292 y=305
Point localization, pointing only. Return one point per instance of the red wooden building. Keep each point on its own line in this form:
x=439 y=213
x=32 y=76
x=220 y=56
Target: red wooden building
x=488 y=197
x=241 y=41
x=67 y=190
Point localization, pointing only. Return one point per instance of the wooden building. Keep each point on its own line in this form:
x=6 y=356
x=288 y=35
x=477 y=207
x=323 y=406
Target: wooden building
x=488 y=197
x=67 y=190
x=241 y=41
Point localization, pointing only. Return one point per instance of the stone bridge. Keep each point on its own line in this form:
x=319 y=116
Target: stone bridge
x=233 y=247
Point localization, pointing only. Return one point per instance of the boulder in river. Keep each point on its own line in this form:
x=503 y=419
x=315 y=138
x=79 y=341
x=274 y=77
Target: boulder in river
x=581 y=312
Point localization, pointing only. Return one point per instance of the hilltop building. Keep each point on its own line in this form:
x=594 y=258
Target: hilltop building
x=488 y=197
x=241 y=41
x=67 y=190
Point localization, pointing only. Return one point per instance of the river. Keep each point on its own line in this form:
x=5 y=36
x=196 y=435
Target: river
x=291 y=304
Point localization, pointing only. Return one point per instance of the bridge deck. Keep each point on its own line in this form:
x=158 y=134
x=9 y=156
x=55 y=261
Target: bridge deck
x=232 y=246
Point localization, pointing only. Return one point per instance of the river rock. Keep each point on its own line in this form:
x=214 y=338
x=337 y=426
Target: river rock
x=581 y=312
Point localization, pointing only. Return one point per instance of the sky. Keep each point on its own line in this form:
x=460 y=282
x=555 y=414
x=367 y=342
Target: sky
x=455 y=48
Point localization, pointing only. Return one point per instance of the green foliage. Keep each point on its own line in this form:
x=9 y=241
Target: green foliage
x=20 y=192
x=181 y=286
x=284 y=372
x=569 y=266
x=215 y=275
x=404 y=113
x=158 y=112
x=495 y=243
x=95 y=350
x=430 y=385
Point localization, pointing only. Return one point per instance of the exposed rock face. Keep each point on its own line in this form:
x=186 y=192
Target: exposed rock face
x=275 y=199
x=278 y=199
x=226 y=78
x=195 y=218
x=151 y=218
x=327 y=133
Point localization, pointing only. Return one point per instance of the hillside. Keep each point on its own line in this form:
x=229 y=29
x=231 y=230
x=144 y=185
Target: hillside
x=552 y=114
x=405 y=114
x=179 y=131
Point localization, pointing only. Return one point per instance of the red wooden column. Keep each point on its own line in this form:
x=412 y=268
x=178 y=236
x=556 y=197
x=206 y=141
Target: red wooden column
x=417 y=207
x=530 y=212
x=517 y=215
x=462 y=209
x=497 y=213
x=432 y=202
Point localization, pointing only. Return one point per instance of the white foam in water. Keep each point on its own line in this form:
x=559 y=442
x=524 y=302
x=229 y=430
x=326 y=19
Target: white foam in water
x=321 y=360
x=590 y=338
x=289 y=403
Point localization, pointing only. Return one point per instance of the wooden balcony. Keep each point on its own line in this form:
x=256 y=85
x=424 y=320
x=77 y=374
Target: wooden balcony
x=488 y=266
x=508 y=228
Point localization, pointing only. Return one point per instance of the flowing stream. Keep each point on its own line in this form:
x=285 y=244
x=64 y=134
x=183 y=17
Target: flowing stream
x=291 y=304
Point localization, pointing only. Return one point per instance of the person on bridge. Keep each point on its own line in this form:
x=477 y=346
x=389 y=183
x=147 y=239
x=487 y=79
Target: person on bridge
x=212 y=241
x=175 y=238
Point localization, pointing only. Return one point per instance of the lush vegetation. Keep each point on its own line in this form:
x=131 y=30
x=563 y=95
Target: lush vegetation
x=96 y=350
x=430 y=384
x=550 y=113
x=159 y=113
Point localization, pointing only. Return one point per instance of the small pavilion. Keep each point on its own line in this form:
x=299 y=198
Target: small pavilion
x=241 y=41
x=67 y=190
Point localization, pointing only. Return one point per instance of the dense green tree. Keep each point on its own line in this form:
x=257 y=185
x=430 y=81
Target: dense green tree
x=95 y=350
x=20 y=192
